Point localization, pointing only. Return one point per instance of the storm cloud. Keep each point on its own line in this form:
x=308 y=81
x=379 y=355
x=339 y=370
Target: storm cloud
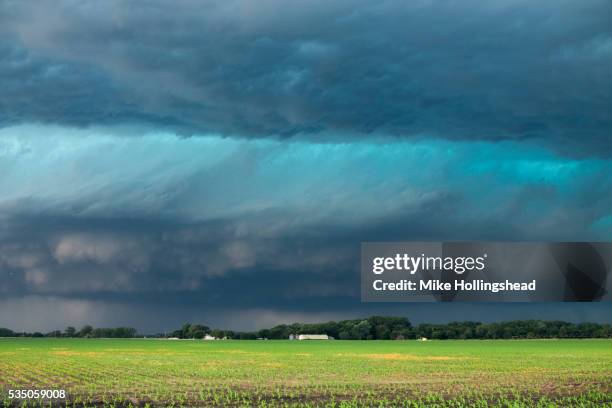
x=240 y=225
x=221 y=162
x=511 y=69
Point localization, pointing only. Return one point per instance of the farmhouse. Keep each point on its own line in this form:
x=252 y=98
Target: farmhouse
x=313 y=337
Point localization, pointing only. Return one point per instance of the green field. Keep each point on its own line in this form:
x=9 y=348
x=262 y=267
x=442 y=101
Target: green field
x=448 y=373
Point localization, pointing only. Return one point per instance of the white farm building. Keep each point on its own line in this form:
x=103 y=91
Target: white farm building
x=313 y=337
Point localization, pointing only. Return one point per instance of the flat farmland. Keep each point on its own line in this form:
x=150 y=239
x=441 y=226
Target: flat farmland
x=452 y=373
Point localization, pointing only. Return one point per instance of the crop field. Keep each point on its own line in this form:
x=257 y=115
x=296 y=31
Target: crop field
x=143 y=372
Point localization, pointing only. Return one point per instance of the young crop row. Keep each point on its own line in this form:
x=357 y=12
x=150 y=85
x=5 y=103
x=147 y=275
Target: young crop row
x=297 y=397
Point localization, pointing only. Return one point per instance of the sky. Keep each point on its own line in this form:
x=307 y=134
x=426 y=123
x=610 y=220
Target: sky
x=220 y=162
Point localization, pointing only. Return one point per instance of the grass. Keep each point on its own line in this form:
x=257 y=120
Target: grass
x=139 y=372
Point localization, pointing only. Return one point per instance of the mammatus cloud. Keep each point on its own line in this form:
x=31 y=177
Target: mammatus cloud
x=512 y=69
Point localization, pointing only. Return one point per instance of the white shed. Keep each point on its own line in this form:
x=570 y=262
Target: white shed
x=313 y=337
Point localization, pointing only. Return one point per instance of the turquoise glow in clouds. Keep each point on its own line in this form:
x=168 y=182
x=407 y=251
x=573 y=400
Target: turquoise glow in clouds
x=92 y=172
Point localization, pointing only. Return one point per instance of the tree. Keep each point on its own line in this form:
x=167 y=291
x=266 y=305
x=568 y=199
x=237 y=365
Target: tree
x=85 y=331
x=344 y=335
x=70 y=331
x=4 y=332
x=361 y=331
x=219 y=334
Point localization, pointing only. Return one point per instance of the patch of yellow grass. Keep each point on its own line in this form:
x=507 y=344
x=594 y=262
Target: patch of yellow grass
x=78 y=353
x=401 y=357
x=272 y=365
x=397 y=356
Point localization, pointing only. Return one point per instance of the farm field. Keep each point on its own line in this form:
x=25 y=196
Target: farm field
x=452 y=373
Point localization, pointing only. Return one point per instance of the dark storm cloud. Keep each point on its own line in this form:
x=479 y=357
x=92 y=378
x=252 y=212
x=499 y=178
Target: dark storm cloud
x=502 y=70
x=155 y=275
x=236 y=263
x=39 y=89
x=228 y=225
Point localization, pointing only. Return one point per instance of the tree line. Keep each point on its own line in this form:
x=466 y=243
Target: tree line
x=371 y=328
x=399 y=328
x=85 y=332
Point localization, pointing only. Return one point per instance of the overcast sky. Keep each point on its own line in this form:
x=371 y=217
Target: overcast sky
x=220 y=162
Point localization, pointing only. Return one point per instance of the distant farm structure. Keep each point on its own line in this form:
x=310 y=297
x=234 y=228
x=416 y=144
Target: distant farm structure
x=313 y=337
